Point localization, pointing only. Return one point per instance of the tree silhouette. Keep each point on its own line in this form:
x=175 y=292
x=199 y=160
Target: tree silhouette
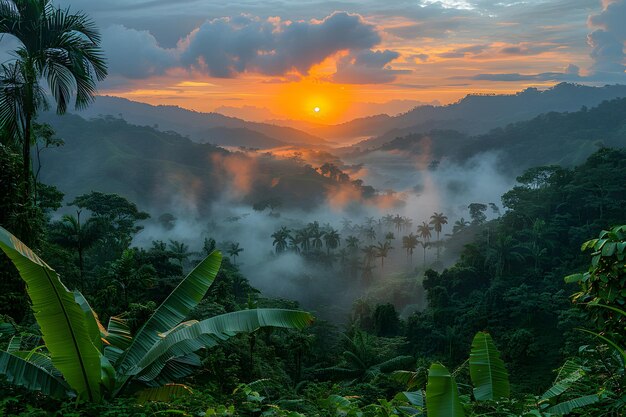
x=382 y=251
x=438 y=220
x=233 y=251
x=280 y=239
x=332 y=239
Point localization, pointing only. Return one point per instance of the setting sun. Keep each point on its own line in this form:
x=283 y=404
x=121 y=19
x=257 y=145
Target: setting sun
x=306 y=99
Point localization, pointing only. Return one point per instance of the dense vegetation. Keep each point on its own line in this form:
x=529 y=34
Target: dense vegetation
x=513 y=326
x=509 y=282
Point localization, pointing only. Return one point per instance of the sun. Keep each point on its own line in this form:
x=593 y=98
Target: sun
x=317 y=109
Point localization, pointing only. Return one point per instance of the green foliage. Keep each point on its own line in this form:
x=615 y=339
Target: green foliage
x=604 y=284
x=74 y=336
x=442 y=394
x=489 y=376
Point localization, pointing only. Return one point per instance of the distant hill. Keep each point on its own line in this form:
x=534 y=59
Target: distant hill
x=553 y=138
x=163 y=171
x=198 y=126
x=474 y=114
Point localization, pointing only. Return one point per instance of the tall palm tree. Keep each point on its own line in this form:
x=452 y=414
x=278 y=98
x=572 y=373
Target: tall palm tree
x=398 y=221
x=438 y=220
x=332 y=239
x=409 y=243
x=55 y=44
x=233 y=251
x=73 y=234
x=382 y=251
x=423 y=230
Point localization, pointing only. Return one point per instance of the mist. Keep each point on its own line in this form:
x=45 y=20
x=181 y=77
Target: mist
x=408 y=186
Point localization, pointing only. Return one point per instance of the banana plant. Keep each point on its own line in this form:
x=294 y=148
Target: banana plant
x=84 y=359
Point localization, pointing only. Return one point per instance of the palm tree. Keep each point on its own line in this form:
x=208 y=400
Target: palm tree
x=294 y=243
x=370 y=234
x=55 y=44
x=423 y=231
x=409 y=243
x=352 y=242
x=280 y=239
x=459 y=225
x=390 y=236
x=303 y=236
x=316 y=236
x=332 y=239
x=382 y=251
x=71 y=233
x=438 y=220
x=388 y=221
x=398 y=221
x=233 y=251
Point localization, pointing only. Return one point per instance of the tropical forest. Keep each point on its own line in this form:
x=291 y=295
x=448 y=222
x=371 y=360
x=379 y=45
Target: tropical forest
x=313 y=208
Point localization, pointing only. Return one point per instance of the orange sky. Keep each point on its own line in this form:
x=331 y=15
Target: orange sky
x=434 y=50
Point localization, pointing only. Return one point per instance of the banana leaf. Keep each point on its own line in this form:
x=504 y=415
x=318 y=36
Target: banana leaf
x=20 y=372
x=442 y=394
x=569 y=374
x=62 y=321
x=91 y=319
x=209 y=332
x=172 y=311
x=40 y=360
x=567 y=407
x=487 y=371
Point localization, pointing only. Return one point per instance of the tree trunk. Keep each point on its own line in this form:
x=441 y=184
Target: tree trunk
x=26 y=156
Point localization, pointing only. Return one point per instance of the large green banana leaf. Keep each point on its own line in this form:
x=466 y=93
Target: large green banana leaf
x=20 y=372
x=489 y=376
x=62 y=321
x=91 y=319
x=172 y=311
x=442 y=394
x=189 y=338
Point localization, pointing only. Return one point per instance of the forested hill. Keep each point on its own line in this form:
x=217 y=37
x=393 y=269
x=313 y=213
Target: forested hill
x=157 y=169
x=554 y=138
x=475 y=114
x=200 y=127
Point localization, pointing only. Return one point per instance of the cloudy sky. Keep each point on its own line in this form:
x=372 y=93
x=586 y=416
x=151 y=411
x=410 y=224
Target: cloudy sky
x=290 y=56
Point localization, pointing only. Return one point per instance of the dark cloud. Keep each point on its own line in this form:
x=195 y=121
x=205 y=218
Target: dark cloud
x=608 y=40
x=230 y=46
x=135 y=54
x=367 y=67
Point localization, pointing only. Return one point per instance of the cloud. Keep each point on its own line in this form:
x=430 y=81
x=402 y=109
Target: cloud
x=230 y=46
x=608 y=40
x=570 y=73
x=462 y=52
x=435 y=28
x=135 y=53
x=367 y=67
